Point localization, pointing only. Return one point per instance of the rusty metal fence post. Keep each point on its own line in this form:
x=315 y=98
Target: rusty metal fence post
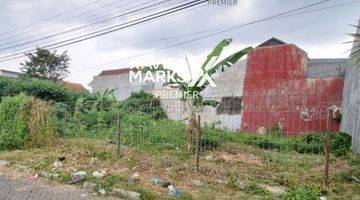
x=328 y=147
x=118 y=130
x=198 y=144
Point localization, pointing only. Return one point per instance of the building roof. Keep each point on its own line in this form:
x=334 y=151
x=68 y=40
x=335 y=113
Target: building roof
x=115 y=71
x=73 y=86
x=272 y=42
x=10 y=72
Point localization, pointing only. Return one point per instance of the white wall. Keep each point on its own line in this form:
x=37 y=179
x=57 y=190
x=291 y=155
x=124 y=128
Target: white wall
x=228 y=83
x=121 y=84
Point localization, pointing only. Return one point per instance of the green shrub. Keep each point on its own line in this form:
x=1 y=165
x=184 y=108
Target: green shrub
x=25 y=122
x=144 y=103
x=341 y=144
x=308 y=143
x=304 y=193
x=42 y=89
x=14 y=114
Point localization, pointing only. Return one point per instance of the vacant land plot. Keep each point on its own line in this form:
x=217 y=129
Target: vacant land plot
x=232 y=171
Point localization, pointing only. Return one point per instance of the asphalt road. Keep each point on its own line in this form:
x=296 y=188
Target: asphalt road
x=22 y=189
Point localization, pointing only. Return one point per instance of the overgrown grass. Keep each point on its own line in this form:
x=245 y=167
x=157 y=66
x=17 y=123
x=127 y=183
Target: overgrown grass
x=238 y=171
x=25 y=122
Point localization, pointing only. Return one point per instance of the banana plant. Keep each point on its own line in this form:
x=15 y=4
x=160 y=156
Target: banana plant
x=194 y=88
x=97 y=101
x=104 y=101
x=208 y=68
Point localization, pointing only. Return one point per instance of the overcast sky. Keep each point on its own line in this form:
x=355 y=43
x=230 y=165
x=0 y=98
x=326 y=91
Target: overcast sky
x=321 y=31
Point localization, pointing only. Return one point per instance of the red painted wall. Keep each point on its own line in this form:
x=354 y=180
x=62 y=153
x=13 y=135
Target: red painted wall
x=277 y=91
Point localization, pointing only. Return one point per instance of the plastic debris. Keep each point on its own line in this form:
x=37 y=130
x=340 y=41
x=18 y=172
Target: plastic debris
x=355 y=179
x=322 y=198
x=57 y=164
x=166 y=184
x=102 y=191
x=34 y=178
x=77 y=177
x=155 y=181
x=175 y=192
x=169 y=169
x=135 y=177
x=209 y=158
x=129 y=195
x=130 y=181
x=49 y=175
x=99 y=174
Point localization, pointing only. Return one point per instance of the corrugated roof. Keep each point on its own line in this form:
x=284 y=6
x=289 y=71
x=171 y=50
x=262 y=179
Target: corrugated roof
x=272 y=42
x=116 y=71
x=12 y=72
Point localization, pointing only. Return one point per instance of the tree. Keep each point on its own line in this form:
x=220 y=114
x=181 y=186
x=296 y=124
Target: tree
x=44 y=64
x=196 y=86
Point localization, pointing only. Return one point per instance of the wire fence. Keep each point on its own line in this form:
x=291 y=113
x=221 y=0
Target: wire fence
x=268 y=122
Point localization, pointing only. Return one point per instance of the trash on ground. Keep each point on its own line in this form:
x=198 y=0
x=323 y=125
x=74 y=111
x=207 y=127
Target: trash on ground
x=57 y=164
x=34 y=178
x=209 y=158
x=174 y=191
x=130 y=181
x=99 y=174
x=49 y=175
x=166 y=184
x=128 y=195
x=136 y=177
x=77 y=177
x=169 y=169
x=155 y=181
x=102 y=191
x=355 y=179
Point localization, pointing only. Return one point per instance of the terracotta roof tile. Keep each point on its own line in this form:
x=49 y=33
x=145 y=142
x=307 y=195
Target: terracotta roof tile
x=74 y=86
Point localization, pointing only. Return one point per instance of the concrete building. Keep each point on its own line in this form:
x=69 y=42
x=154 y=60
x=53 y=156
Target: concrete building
x=9 y=74
x=351 y=104
x=118 y=79
x=228 y=91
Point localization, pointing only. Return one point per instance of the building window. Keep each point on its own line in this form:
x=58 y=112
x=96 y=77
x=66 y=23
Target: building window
x=230 y=106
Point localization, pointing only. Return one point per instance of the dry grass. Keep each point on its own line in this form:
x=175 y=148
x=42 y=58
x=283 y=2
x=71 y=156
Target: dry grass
x=221 y=178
